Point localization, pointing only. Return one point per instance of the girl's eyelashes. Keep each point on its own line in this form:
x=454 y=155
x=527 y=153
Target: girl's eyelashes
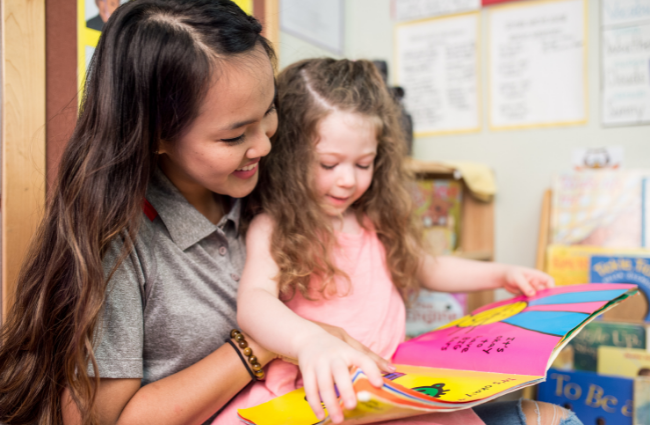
x=363 y=167
x=234 y=140
x=328 y=167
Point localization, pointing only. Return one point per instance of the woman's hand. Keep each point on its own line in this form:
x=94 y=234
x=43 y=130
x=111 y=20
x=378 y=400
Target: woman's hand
x=325 y=362
x=522 y=280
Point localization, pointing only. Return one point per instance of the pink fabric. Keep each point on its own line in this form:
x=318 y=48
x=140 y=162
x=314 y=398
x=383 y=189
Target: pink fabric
x=370 y=310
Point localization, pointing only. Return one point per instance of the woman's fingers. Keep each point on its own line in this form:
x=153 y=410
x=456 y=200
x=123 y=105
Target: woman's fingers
x=313 y=398
x=383 y=364
x=326 y=387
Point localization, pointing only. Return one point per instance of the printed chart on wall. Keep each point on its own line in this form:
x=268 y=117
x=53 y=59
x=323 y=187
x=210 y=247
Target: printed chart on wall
x=91 y=17
x=537 y=64
x=625 y=44
x=410 y=10
x=437 y=65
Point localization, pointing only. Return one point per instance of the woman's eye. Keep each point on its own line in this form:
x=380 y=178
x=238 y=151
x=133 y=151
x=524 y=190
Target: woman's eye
x=234 y=140
x=328 y=167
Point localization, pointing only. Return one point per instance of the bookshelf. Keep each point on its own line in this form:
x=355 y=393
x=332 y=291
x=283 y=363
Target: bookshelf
x=476 y=240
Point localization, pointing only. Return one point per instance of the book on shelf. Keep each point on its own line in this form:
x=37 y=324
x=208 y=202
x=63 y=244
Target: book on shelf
x=582 y=351
x=599 y=208
x=595 y=399
x=497 y=349
x=626 y=362
x=437 y=204
x=430 y=310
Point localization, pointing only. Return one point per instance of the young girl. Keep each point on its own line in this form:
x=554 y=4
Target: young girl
x=335 y=240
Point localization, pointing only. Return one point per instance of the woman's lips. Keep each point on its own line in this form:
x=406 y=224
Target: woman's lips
x=247 y=171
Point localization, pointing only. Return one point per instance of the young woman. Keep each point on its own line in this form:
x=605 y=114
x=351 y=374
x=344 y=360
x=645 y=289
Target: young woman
x=121 y=315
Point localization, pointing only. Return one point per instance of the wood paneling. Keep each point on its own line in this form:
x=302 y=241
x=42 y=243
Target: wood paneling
x=23 y=133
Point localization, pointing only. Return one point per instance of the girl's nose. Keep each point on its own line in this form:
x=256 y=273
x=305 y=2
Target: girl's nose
x=347 y=177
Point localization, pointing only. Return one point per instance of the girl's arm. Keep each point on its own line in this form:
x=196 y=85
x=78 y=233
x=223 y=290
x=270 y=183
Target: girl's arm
x=324 y=359
x=187 y=397
x=452 y=274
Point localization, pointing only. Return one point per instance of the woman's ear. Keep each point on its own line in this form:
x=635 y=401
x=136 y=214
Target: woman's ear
x=162 y=147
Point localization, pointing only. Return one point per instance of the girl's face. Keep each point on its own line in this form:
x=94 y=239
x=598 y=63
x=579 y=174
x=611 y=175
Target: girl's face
x=221 y=149
x=345 y=152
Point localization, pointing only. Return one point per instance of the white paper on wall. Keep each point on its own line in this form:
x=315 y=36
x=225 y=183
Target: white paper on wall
x=625 y=56
x=409 y=10
x=437 y=65
x=622 y=12
x=320 y=22
x=537 y=64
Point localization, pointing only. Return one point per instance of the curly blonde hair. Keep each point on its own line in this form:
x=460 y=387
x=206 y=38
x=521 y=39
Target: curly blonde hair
x=303 y=238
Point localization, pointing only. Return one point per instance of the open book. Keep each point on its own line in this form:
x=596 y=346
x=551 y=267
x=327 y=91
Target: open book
x=497 y=349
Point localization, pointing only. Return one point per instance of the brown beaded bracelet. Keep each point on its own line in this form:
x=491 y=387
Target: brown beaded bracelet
x=255 y=368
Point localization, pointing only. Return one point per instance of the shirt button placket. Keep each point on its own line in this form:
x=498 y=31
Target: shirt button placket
x=223 y=251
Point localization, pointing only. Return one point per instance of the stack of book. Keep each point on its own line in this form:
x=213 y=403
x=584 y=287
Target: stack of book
x=600 y=228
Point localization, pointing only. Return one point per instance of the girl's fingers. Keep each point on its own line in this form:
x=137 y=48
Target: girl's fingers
x=344 y=384
x=523 y=284
x=383 y=364
x=369 y=367
x=313 y=398
x=326 y=387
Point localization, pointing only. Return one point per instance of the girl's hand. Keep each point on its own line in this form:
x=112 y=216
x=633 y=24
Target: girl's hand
x=325 y=362
x=522 y=280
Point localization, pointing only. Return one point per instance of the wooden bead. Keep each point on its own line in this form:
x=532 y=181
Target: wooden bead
x=243 y=344
x=256 y=366
x=239 y=338
x=248 y=352
x=252 y=359
x=259 y=374
x=234 y=333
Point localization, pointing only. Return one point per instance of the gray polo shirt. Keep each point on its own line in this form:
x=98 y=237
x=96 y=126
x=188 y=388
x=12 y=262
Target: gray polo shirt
x=172 y=301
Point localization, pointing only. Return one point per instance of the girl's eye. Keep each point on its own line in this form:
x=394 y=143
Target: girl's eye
x=234 y=140
x=328 y=167
x=363 y=167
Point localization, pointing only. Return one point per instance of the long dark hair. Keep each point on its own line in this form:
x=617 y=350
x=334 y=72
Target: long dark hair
x=145 y=83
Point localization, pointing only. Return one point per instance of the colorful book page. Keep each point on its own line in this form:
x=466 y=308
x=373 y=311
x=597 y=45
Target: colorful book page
x=512 y=337
x=405 y=391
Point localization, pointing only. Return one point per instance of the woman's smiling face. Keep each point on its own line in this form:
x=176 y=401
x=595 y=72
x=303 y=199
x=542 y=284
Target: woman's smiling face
x=221 y=149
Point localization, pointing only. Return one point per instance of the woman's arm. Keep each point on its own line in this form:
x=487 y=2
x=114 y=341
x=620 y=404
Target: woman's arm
x=187 y=397
x=452 y=274
x=324 y=359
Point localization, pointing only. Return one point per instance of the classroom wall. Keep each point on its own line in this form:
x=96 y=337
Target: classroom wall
x=523 y=160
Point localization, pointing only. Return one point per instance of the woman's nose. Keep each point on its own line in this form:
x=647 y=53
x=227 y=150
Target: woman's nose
x=261 y=145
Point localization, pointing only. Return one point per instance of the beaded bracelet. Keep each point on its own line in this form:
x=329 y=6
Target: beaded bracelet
x=255 y=369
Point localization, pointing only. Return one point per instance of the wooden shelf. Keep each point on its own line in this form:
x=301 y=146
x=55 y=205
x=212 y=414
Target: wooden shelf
x=477 y=222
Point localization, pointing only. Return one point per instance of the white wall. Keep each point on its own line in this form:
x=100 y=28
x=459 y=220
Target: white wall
x=524 y=160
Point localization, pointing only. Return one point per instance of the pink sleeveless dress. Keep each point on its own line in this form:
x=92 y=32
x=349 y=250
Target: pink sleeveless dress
x=370 y=309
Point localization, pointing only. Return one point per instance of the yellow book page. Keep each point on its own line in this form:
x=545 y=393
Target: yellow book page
x=410 y=391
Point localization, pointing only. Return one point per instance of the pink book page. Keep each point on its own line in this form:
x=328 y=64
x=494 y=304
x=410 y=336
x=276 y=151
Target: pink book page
x=516 y=336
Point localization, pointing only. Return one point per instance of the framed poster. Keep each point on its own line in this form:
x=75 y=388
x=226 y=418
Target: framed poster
x=437 y=65
x=537 y=64
x=409 y=10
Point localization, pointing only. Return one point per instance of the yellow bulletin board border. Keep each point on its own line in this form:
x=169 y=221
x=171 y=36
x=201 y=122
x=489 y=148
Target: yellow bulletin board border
x=477 y=14
x=585 y=50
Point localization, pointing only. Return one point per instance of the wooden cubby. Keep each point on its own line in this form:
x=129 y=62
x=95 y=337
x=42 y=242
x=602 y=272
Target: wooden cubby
x=477 y=223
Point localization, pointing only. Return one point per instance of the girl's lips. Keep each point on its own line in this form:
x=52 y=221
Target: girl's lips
x=246 y=174
x=338 y=201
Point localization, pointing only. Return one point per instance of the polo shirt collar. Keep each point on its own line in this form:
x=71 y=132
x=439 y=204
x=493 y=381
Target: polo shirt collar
x=186 y=225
